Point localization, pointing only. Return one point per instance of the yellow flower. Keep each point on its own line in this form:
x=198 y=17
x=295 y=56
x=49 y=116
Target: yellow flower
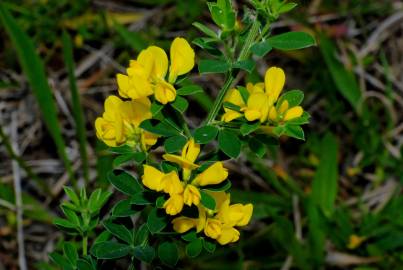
x=146 y=75
x=213 y=175
x=355 y=241
x=228 y=235
x=293 y=113
x=212 y=228
x=171 y=183
x=183 y=224
x=174 y=204
x=233 y=96
x=257 y=107
x=120 y=122
x=189 y=155
x=153 y=178
x=219 y=223
x=191 y=195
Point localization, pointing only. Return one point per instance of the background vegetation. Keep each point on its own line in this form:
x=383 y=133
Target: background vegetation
x=331 y=202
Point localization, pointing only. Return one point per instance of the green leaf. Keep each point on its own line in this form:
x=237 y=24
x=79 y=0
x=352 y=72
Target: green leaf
x=231 y=106
x=124 y=182
x=180 y=104
x=344 y=79
x=209 y=246
x=123 y=209
x=244 y=93
x=159 y=128
x=286 y=7
x=262 y=48
x=120 y=160
x=213 y=66
x=70 y=251
x=209 y=32
x=291 y=41
x=144 y=253
x=189 y=90
x=60 y=261
x=156 y=221
x=194 y=248
x=143 y=198
x=76 y=103
x=247 y=128
x=207 y=200
x=110 y=250
x=156 y=107
x=64 y=223
x=132 y=38
x=294 y=98
x=324 y=185
x=35 y=72
x=294 y=131
x=84 y=265
x=189 y=236
x=97 y=200
x=119 y=231
x=257 y=147
x=168 y=253
x=72 y=195
x=247 y=65
x=174 y=144
x=223 y=186
x=141 y=235
x=205 y=134
x=229 y=143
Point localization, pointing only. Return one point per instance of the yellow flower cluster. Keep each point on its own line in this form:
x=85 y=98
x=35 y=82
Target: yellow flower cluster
x=217 y=224
x=120 y=123
x=261 y=103
x=146 y=76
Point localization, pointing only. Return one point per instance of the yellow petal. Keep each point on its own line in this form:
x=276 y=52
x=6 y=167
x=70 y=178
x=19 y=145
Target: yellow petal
x=123 y=85
x=182 y=58
x=152 y=178
x=105 y=131
x=220 y=197
x=234 y=97
x=174 y=204
x=133 y=87
x=148 y=139
x=257 y=107
x=283 y=107
x=155 y=61
x=183 y=224
x=136 y=111
x=355 y=241
x=273 y=113
x=212 y=228
x=228 y=235
x=274 y=82
x=238 y=214
x=201 y=221
x=213 y=175
x=292 y=113
x=191 y=151
x=184 y=163
x=164 y=92
x=191 y=195
x=230 y=115
x=172 y=184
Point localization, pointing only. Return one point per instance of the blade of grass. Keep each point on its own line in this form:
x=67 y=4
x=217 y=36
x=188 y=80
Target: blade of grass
x=35 y=73
x=324 y=185
x=76 y=104
x=344 y=79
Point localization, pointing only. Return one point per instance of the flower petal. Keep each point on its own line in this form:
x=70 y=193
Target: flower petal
x=292 y=113
x=213 y=175
x=152 y=178
x=228 y=235
x=183 y=224
x=274 y=82
x=155 y=61
x=182 y=58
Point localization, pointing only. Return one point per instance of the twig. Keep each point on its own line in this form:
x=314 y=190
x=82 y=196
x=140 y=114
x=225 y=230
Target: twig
x=18 y=197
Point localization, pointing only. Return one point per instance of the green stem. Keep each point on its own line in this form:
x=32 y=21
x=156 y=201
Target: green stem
x=85 y=245
x=217 y=103
x=243 y=55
